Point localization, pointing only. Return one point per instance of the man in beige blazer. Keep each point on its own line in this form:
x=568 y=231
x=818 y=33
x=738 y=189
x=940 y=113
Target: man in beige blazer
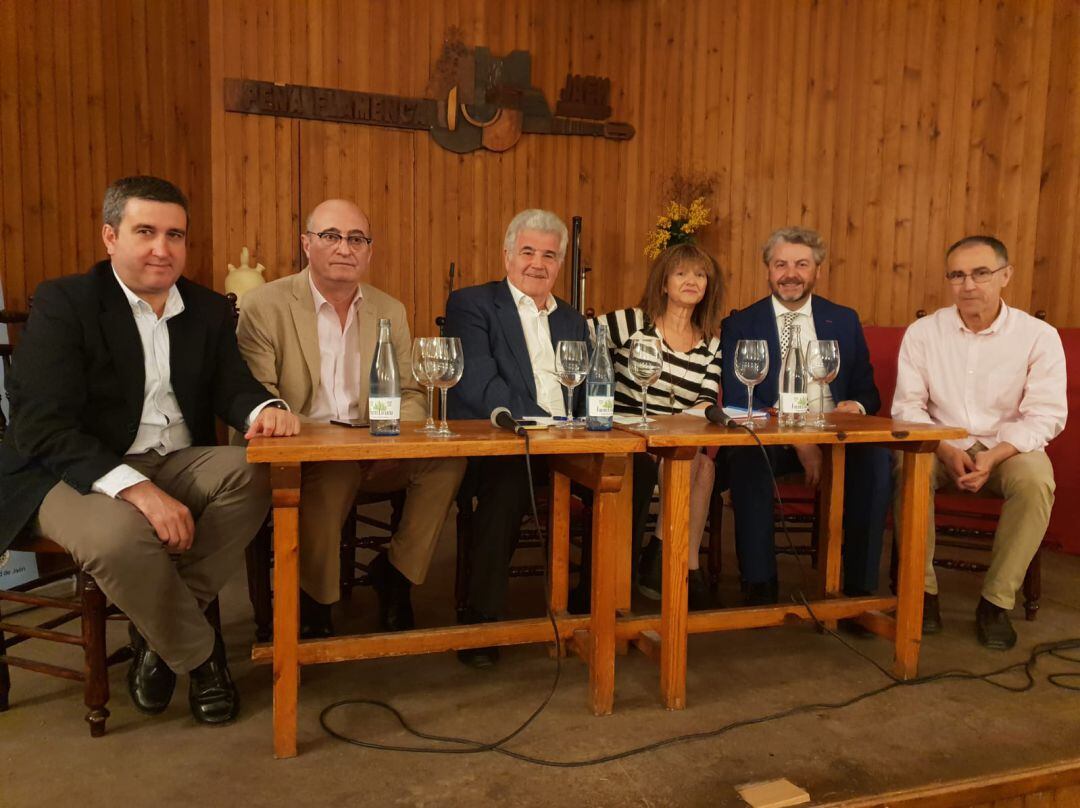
x=310 y=338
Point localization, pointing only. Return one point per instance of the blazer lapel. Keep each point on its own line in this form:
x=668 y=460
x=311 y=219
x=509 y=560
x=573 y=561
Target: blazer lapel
x=765 y=323
x=122 y=338
x=367 y=332
x=302 y=309
x=510 y=321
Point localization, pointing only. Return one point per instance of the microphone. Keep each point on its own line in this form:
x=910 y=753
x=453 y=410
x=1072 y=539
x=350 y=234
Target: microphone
x=715 y=413
x=501 y=418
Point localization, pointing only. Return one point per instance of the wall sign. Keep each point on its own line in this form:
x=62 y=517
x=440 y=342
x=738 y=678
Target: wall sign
x=480 y=102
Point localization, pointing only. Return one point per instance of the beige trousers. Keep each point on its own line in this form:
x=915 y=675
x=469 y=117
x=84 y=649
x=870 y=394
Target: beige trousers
x=165 y=594
x=1026 y=482
x=327 y=492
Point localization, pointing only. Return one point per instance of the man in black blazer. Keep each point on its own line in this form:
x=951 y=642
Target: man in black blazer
x=793 y=258
x=110 y=451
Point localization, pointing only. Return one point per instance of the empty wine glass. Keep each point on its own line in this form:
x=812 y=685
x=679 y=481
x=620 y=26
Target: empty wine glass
x=445 y=362
x=646 y=361
x=751 y=368
x=421 y=371
x=823 y=363
x=571 y=366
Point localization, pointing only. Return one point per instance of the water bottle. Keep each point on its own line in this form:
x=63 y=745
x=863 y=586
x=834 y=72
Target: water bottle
x=794 y=381
x=384 y=392
x=600 y=385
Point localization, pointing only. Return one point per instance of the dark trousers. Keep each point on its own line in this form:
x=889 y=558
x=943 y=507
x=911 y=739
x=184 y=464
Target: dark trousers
x=867 y=485
x=502 y=500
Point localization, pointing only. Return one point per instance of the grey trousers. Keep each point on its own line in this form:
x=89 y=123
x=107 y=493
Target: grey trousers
x=164 y=594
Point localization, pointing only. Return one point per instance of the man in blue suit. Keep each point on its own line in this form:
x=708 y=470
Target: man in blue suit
x=793 y=258
x=508 y=330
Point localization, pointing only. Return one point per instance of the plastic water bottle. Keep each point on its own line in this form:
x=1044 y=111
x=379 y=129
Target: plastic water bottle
x=600 y=385
x=794 y=383
x=384 y=392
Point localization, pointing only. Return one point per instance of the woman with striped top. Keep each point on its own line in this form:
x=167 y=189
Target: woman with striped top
x=681 y=306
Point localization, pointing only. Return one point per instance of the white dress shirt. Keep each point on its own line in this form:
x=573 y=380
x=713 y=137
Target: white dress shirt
x=161 y=425
x=338 y=395
x=1004 y=383
x=534 y=322
x=807 y=333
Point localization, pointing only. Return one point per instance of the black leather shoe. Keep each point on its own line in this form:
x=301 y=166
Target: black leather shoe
x=150 y=681
x=211 y=692
x=761 y=593
x=931 y=614
x=316 y=622
x=479 y=658
x=993 y=627
x=699 y=597
x=651 y=570
x=395 y=607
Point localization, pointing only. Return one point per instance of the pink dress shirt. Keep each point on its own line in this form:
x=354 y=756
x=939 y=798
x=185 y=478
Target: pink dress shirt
x=1003 y=384
x=338 y=395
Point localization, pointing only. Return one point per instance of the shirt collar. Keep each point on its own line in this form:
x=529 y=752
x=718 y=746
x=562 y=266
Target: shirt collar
x=519 y=296
x=780 y=309
x=993 y=328
x=317 y=296
x=174 y=303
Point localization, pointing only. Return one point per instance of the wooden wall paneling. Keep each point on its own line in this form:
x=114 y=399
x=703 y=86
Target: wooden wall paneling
x=31 y=136
x=838 y=280
x=65 y=230
x=854 y=218
x=1058 y=229
x=13 y=241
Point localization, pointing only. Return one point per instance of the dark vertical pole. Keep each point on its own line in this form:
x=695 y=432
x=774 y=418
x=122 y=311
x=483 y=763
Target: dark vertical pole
x=575 y=264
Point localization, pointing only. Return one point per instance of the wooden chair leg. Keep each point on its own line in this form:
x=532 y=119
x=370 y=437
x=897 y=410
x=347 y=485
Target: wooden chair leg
x=257 y=557
x=5 y=676
x=1032 y=586
x=96 y=693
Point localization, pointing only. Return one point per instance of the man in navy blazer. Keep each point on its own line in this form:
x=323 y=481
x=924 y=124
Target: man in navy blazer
x=793 y=258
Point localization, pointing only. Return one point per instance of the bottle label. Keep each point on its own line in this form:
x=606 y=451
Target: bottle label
x=794 y=402
x=601 y=406
x=384 y=408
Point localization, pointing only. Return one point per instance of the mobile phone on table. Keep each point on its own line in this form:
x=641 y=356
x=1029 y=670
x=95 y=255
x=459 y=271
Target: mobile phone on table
x=526 y=422
x=355 y=423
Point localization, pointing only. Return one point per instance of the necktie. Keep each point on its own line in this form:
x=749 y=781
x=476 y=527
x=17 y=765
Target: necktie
x=785 y=332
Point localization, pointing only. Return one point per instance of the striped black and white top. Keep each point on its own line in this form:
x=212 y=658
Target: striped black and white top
x=686 y=380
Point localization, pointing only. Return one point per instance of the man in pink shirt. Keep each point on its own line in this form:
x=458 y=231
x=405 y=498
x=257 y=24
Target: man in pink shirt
x=999 y=373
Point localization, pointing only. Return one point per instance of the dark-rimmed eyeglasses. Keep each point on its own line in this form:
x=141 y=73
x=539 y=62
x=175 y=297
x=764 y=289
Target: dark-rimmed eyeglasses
x=356 y=241
x=980 y=275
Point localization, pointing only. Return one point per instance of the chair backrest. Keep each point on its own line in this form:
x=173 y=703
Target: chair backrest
x=1063 y=451
x=884 y=344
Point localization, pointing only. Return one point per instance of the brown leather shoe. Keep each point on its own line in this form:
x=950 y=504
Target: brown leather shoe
x=931 y=614
x=993 y=627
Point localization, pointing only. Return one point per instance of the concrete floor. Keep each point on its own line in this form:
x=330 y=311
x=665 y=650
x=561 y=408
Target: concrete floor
x=904 y=738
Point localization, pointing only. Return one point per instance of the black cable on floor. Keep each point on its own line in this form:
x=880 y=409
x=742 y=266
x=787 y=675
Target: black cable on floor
x=470 y=746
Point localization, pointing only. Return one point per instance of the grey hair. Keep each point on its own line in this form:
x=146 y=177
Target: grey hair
x=795 y=235
x=153 y=189
x=535 y=219
x=994 y=244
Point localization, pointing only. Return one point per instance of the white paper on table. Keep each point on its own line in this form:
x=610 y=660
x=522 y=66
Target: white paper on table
x=740 y=412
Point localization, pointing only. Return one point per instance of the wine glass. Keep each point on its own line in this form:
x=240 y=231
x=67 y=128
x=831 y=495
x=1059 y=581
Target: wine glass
x=823 y=363
x=645 y=362
x=751 y=368
x=421 y=371
x=446 y=363
x=571 y=366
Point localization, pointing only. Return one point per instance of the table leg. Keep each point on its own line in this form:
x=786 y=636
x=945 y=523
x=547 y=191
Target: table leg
x=831 y=526
x=914 y=504
x=602 y=621
x=285 y=480
x=676 y=530
x=559 y=541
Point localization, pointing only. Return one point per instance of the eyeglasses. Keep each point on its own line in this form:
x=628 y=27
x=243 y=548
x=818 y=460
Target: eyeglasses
x=980 y=275
x=355 y=241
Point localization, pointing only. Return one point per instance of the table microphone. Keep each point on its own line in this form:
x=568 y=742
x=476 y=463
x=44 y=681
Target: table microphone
x=715 y=413
x=503 y=419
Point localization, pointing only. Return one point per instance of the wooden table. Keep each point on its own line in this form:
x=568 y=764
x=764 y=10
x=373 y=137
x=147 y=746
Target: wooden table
x=597 y=460
x=678 y=438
